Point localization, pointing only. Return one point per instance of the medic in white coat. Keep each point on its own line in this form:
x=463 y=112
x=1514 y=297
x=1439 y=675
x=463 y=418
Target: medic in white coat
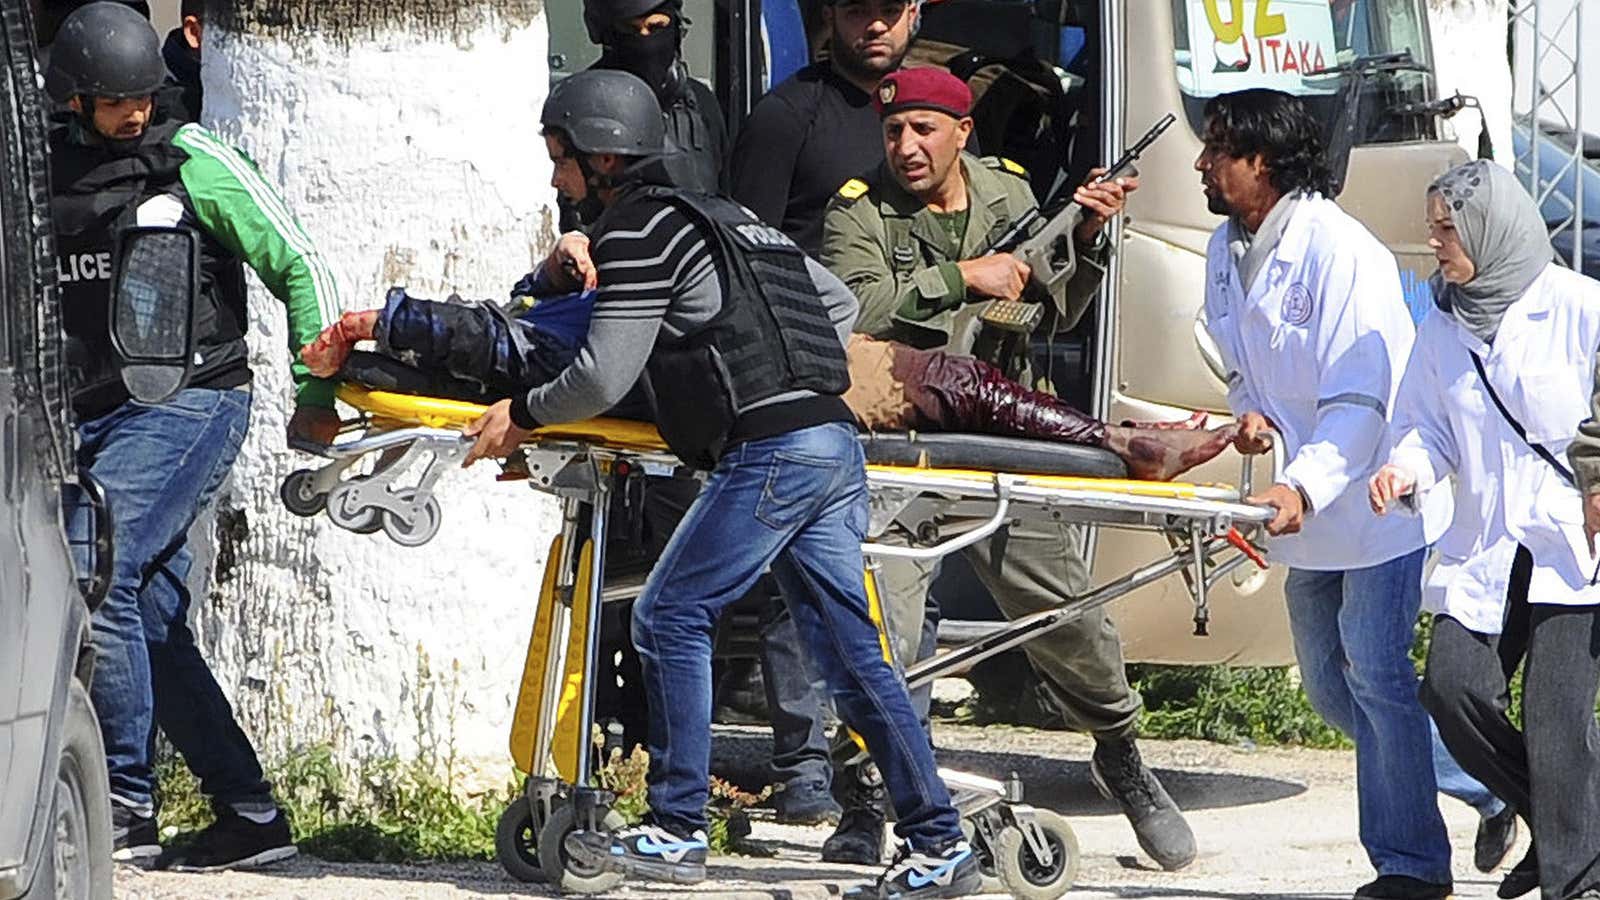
x=1505 y=492
x=1306 y=308
x=1317 y=346
x=1496 y=387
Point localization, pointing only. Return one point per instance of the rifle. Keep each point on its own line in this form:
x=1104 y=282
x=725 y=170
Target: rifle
x=1050 y=250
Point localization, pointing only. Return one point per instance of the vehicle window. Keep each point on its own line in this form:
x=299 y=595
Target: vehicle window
x=9 y=352
x=10 y=349
x=1291 y=46
x=571 y=51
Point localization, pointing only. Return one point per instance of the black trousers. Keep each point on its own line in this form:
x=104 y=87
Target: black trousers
x=1550 y=771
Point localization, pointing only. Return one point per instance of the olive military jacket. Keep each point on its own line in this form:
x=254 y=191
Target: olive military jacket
x=898 y=258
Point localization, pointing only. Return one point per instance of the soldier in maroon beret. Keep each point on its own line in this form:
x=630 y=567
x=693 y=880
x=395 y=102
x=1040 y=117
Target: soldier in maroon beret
x=912 y=238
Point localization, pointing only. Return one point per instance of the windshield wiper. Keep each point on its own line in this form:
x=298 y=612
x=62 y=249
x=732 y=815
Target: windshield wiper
x=1399 y=61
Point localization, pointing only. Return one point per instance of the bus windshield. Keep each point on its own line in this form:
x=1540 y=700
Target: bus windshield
x=1296 y=45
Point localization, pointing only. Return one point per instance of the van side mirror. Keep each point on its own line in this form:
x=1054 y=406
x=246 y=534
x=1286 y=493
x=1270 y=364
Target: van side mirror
x=155 y=283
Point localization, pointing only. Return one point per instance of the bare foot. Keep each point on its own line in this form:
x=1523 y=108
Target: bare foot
x=1164 y=454
x=326 y=355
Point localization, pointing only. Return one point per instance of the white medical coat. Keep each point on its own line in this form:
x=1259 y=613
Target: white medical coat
x=1317 y=344
x=1439 y=421
x=1541 y=366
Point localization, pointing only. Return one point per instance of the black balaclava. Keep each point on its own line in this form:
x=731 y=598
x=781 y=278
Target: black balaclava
x=655 y=58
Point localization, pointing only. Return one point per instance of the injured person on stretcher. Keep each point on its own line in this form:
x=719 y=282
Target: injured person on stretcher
x=480 y=352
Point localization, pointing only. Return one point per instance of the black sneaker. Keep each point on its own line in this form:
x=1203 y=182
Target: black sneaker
x=1158 y=824
x=1403 y=887
x=805 y=803
x=134 y=837
x=1523 y=877
x=1496 y=834
x=859 y=838
x=231 y=842
x=916 y=875
x=645 y=851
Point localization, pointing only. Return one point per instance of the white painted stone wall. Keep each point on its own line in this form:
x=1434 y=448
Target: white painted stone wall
x=412 y=159
x=1469 y=51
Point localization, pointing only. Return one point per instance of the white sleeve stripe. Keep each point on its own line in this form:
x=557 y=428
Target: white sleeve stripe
x=643 y=232
x=656 y=260
x=606 y=293
x=272 y=206
x=277 y=214
x=324 y=286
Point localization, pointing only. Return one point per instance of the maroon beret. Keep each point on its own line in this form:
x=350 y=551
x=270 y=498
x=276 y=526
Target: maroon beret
x=922 y=88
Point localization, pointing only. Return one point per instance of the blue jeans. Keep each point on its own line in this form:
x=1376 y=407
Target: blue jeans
x=1352 y=633
x=160 y=465
x=796 y=503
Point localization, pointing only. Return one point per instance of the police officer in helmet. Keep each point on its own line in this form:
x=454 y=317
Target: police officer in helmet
x=161 y=464
x=740 y=338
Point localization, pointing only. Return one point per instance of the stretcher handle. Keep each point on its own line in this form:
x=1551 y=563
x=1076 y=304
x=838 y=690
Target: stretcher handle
x=942 y=549
x=383 y=440
x=1280 y=462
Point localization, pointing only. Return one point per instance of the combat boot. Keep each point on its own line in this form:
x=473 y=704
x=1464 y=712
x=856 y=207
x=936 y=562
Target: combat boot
x=1157 y=822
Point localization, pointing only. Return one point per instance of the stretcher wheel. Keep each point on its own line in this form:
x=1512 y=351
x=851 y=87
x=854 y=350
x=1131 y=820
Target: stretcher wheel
x=1022 y=874
x=344 y=510
x=561 y=870
x=516 y=841
x=300 y=495
x=417 y=531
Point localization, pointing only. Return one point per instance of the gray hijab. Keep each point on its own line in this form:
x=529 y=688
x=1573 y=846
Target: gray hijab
x=1503 y=233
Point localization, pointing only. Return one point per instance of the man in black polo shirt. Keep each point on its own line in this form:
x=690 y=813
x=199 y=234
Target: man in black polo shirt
x=817 y=130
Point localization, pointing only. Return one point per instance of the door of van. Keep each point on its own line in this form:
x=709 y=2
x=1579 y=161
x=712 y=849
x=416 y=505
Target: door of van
x=13 y=588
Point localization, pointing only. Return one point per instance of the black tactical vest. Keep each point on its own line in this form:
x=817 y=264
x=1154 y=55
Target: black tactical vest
x=97 y=193
x=772 y=336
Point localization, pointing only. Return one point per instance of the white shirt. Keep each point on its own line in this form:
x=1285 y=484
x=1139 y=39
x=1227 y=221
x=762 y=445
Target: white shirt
x=1317 y=345
x=1541 y=365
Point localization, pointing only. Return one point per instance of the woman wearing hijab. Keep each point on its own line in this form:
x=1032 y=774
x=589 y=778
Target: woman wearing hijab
x=1497 y=383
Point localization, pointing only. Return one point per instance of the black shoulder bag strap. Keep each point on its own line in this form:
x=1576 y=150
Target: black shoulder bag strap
x=1544 y=452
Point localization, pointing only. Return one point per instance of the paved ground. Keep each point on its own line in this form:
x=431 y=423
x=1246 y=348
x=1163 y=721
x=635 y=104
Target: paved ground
x=1270 y=823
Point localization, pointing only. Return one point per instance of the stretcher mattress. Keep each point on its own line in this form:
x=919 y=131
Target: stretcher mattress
x=393 y=389
x=945 y=450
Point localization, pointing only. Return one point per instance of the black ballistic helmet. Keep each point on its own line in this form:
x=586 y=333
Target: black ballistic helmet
x=606 y=111
x=105 y=50
x=600 y=15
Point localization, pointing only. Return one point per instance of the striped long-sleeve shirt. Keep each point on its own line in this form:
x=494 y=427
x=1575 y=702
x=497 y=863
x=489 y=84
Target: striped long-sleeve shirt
x=658 y=278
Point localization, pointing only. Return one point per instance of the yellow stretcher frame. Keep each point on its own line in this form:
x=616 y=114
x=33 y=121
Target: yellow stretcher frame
x=368 y=485
x=960 y=507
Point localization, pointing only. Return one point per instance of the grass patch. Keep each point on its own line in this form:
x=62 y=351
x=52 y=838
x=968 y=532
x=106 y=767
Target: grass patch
x=1231 y=705
x=376 y=808
x=1263 y=705
x=386 y=810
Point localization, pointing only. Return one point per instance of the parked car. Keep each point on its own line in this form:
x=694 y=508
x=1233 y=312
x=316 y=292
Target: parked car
x=1555 y=155
x=55 y=812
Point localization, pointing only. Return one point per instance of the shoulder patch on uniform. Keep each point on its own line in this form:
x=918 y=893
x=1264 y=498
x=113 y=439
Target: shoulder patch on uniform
x=1001 y=164
x=853 y=189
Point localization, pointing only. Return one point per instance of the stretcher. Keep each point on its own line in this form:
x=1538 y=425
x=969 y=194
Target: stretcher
x=931 y=495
